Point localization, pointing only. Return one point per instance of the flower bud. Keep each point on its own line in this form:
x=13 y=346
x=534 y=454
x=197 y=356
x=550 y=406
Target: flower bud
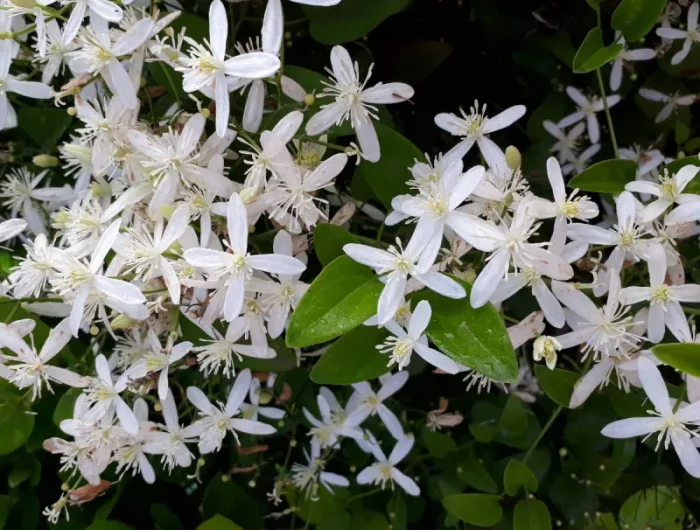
x=27 y=4
x=206 y=113
x=94 y=330
x=513 y=157
x=122 y=321
x=546 y=348
x=71 y=111
x=81 y=153
x=309 y=99
x=247 y=194
x=45 y=161
x=265 y=397
x=469 y=275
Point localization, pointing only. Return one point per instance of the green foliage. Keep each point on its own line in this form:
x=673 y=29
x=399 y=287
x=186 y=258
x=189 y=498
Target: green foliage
x=342 y=297
x=477 y=509
x=476 y=338
x=44 y=125
x=592 y=54
x=518 y=475
x=329 y=240
x=218 y=522
x=352 y=358
x=558 y=384
x=609 y=176
x=683 y=356
x=659 y=507
x=531 y=514
x=635 y=18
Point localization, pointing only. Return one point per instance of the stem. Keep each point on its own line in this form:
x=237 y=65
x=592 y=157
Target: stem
x=544 y=430
x=173 y=89
x=613 y=138
x=691 y=310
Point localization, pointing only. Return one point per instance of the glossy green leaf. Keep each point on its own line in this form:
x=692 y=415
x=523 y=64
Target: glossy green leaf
x=396 y=510
x=65 y=405
x=16 y=422
x=227 y=498
x=593 y=53
x=44 y=125
x=476 y=338
x=352 y=358
x=219 y=522
x=558 y=384
x=439 y=444
x=164 y=517
x=683 y=356
x=389 y=176
x=517 y=475
x=531 y=514
x=657 y=507
x=608 y=176
x=636 y=18
x=473 y=473
x=341 y=298
x=478 y=509
x=329 y=240
x=349 y=20
x=168 y=78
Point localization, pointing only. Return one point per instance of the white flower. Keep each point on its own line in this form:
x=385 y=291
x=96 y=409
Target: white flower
x=11 y=228
x=218 y=354
x=384 y=469
x=56 y=53
x=31 y=369
x=307 y=476
x=671 y=425
x=664 y=306
x=334 y=422
x=98 y=55
x=236 y=268
x=567 y=143
x=103 y=396
x=564 y=208
x=580 y=161
x=396 y=265
x=510 y=244
x=172 y=441
x=159 y=360
x=690 y=35
x=606 y=332
x=671 y=102
x=367 y=403
x=172 y=160
x=144 y=253
x=84 y=280
x=475 y=126
x=546 y=348
x=279 y=299
x=208 y=68
x=647 y=160
x=587 y=109
x=669 y=190
x=9 y=83
x=640 y=54
x=355 y=102
x=104 y=9
x=217 y=420
x=131 y=455
x=402 y=343
x=253 y=409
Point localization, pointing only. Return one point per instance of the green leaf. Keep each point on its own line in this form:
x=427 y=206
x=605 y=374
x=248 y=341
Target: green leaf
x=44 y=125
x=16 y=424
x=168 y=78
x=349 y=20
x=109 y=525
x=341 y=298
x=227 y=498
x=396 y=510
x=218 y=522
x=683 y=356
x=476 y=338
x=636 y=18
x=657 y=507
x=65 y=405
x=329 y=240
x=531 y=514
x=473 y=473
x=197 y=28
x=388 y=177
x=352 y=359
x=284 y=361
x=518 y=475
x=593 y=53
x=321 y=508
x=439 y=444
x=608 y=176
x=682 y=133
x=164 y=518
x=5 y=505
x=557 y=384
x=413 y=61
x=478 y=509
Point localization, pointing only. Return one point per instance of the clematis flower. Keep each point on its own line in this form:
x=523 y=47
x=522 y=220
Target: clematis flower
x=689 y=35
x=671 y=102
x=626 y=55
x=104 y=9
x=384 y=469
x=567 y=143
x=669 y=191
x=12 y=228
x=587 y=110
x=673 y=427
x=171 y=442
x=307 y=477
x=355 y=102
x=366 y=402
x=104 y=399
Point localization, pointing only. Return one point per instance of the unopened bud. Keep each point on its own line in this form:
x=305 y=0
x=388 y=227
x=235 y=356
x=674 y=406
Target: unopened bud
x=27 y=4
x=469 y=275
x=71 y=111
x=546 y=348
x=251 y=484
x=353 y=469
x=247 y=195
x=205 y=113
x=45 y=161
x=309 y=99
x=280 y=423
x=65 y=487
x=82 y=153
x=265 y=397
x=94 y=330
x=513 y=157
x=225 y=478
x=100 y=190
x=157 y=407
x=292 y=443
x=122 y=321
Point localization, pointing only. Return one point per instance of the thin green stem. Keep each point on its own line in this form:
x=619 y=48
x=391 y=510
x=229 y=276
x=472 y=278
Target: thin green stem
x=544 y=430
x=613 y=138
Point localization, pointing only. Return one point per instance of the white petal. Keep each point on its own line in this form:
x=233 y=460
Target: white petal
x=408 y=484
x=489 y=278
x=630 y=427
x=199 y=400
x=238 y=392
x=218 y=29
x=589 y=382
x=252 y=427
x=253 y=65
x=442 y=284
x=654 y=385
x=437 y=359
x=685 y=449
